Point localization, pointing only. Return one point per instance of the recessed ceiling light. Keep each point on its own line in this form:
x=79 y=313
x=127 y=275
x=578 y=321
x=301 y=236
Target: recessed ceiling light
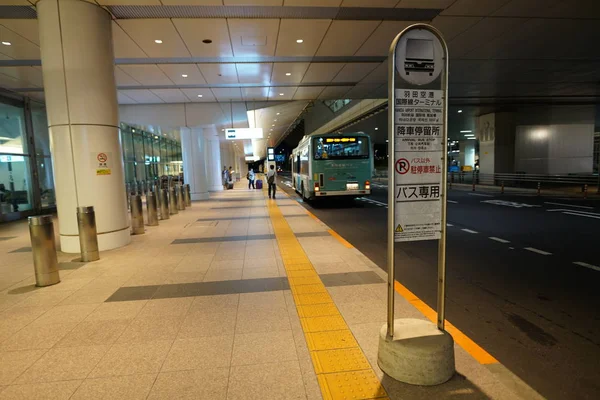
x=278 y=113
x=155 y=137
x=199 y=95
x=272 y=125
x=466 y=131
x=158 y=41
x=299 y=41
x=281 y=94
x=459 y=111
x=274 y=120
x=376 y=129
x=132 y=130
x=288 y=74
x=184 y=75
x=7 y=43
x=207 y=41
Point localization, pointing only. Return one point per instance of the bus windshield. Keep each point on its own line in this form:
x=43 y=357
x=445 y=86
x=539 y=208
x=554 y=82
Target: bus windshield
x=341 y=147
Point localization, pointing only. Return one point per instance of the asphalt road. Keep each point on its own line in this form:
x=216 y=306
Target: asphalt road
x=523 y=278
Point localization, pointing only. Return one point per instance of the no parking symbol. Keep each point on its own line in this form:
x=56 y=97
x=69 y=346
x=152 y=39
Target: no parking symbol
x=402 y=166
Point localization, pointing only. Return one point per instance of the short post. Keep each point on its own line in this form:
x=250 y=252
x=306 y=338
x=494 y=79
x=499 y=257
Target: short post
x=43 y=247
x=473 y=180
x=585 y=191
x=88 y=236
x=152 y=208
x=188 y=196
x=451 y=179
x=137 y=215
x=502 y=188
x=164 y=204
x=539 y=188
x=173 y=200
x=180 y=198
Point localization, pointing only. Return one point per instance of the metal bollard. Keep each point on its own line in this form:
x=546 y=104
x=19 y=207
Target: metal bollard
x=173 y=201
x=137 y=215
x=180 y=198
x=539 y=187
x=151 y=206
x=502 y=190
x=188 y=196
x=88 y=236
x=43 y=246
x=473 y=180
x=585 y=190
x=164 y=204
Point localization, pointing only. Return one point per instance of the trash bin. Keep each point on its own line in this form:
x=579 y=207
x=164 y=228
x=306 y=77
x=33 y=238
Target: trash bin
x=43 y=247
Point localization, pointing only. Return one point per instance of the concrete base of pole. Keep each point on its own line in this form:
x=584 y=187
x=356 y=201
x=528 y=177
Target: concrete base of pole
x=419 y=353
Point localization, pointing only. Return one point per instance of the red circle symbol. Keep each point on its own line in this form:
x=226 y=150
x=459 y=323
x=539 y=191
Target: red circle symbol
x=102 y=157
x=402 y=166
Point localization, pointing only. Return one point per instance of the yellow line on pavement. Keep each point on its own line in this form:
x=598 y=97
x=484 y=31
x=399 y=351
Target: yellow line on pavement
x=340 y=239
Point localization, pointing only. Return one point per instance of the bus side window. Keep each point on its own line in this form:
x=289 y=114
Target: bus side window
x=298 y=164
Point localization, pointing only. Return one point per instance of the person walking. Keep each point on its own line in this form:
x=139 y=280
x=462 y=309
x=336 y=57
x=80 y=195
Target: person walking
x=225 y=177
x=271 y=181
x=251 y=178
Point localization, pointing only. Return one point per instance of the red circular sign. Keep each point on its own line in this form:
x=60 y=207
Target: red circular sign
x=402 y=166
x=102 y=157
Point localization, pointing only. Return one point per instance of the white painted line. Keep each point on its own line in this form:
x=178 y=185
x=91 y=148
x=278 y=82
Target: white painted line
x=569 y=205
x=597 y=216
x=481 y=194
x=586 y=265
x=542 y=252
x=449 y=225
x=469 y=231
x=452 y=201
x=499 y=240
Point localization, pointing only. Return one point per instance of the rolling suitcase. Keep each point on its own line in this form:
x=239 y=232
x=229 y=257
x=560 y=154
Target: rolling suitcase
x=259 y=184
x=230 y=185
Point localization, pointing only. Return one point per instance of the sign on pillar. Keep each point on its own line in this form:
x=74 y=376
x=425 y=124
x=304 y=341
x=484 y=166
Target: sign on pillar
x=417 y=351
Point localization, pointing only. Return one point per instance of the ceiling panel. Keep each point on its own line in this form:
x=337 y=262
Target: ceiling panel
x=370 y=3
x=573 y=9
x=27 y=28
x=124 y=99
x=227 y=94
x=123 y=45
x=183 y=74
x=219 y=73
x=334 y=92
x=35 y=95
x=281 y=71
x=281 y=93
x=194 y=31
x=142 y=96
x=322 y=72
x=454 y=26
x=354 y=72
x=254 y=72
x=362 y=91
x=312 y=3
x=11 y=82
x=199 y=95
x=145 y=31
x=253 y=2
x=192 y=2
x=124 y=79
x=253 y=37
x=434 y=4
x=308 y=92
x=344 y=38
x=378 y=44
x=474 y=7
x=20 y=48
x=129 y=2
x=255 y=93
x=147 y=74
x=378 y=75
x=170 y=95
x=525 y=8
x=30 y=76
x=310 y=31
x=480 y=34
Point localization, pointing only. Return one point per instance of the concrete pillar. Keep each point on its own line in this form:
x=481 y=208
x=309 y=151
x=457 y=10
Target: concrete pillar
x=83 y=120
x=194 y=162
x=212 y=152
x=496 y=135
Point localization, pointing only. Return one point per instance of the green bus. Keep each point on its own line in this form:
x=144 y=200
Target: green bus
x=332 y=165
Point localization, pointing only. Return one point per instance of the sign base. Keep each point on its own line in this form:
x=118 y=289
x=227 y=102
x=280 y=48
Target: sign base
x=418 y=354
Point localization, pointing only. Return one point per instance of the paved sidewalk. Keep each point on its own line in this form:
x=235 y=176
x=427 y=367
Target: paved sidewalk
x=238 y=297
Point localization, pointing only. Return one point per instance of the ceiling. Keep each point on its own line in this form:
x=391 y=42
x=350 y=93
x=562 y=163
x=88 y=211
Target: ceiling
x=500 y=50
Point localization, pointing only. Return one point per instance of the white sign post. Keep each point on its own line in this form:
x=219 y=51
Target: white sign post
x=418 y=105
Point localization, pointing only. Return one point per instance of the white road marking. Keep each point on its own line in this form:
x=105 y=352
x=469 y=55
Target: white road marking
x=512 y=248
x=449 y=225
x=499 y=240
x=579 y=214
x=586 y=265
x=542 y=252
x=469 y=231
x=514 y=204
x=568 y=205
x=481 y=194
x=452 y=201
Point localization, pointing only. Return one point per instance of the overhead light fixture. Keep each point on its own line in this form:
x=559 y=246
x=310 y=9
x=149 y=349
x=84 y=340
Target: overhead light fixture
x=471 y=138
x=469 y=135
x=132 y=130
x=288 y=74
x=376 y=128
x=273 y=125
x=278 y=113
x=459 y=111
x=184 y=75
x=274 y=120
x=155 y=137
x=281 y=94
x=199 y=95
x=466 y=131
x=299 y=41
x=7 y=43
x=158 y=41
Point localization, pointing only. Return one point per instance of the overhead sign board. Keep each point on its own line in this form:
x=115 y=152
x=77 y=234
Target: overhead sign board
x=419 y=99
x=270 y=154
x=243 y=133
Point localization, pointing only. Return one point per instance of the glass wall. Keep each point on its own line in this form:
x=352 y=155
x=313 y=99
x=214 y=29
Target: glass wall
x=148 y=156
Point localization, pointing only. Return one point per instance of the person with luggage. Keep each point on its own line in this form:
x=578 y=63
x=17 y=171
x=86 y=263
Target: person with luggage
x=225 y=177
x=230 y=178
x=271 y=175
x=250 y=177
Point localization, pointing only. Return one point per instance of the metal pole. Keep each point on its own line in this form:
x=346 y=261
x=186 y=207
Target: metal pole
x=473 y=180
x=539 y=188
x=88 y=236
x=180 y=197
x=152 y=207
x=164 y=204
x=585 y=190
x=188 y=196
x=137 y=215
x=43 y=247
x=173 y=201
x=502 y=190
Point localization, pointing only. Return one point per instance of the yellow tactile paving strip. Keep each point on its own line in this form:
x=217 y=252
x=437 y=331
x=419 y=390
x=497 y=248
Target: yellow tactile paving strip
x=342 y=369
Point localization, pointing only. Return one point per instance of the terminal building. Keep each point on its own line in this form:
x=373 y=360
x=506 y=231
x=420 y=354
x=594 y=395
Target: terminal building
x=240 y=296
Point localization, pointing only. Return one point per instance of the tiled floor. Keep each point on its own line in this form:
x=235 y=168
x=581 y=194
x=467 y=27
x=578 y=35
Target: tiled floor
x=200 y=307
